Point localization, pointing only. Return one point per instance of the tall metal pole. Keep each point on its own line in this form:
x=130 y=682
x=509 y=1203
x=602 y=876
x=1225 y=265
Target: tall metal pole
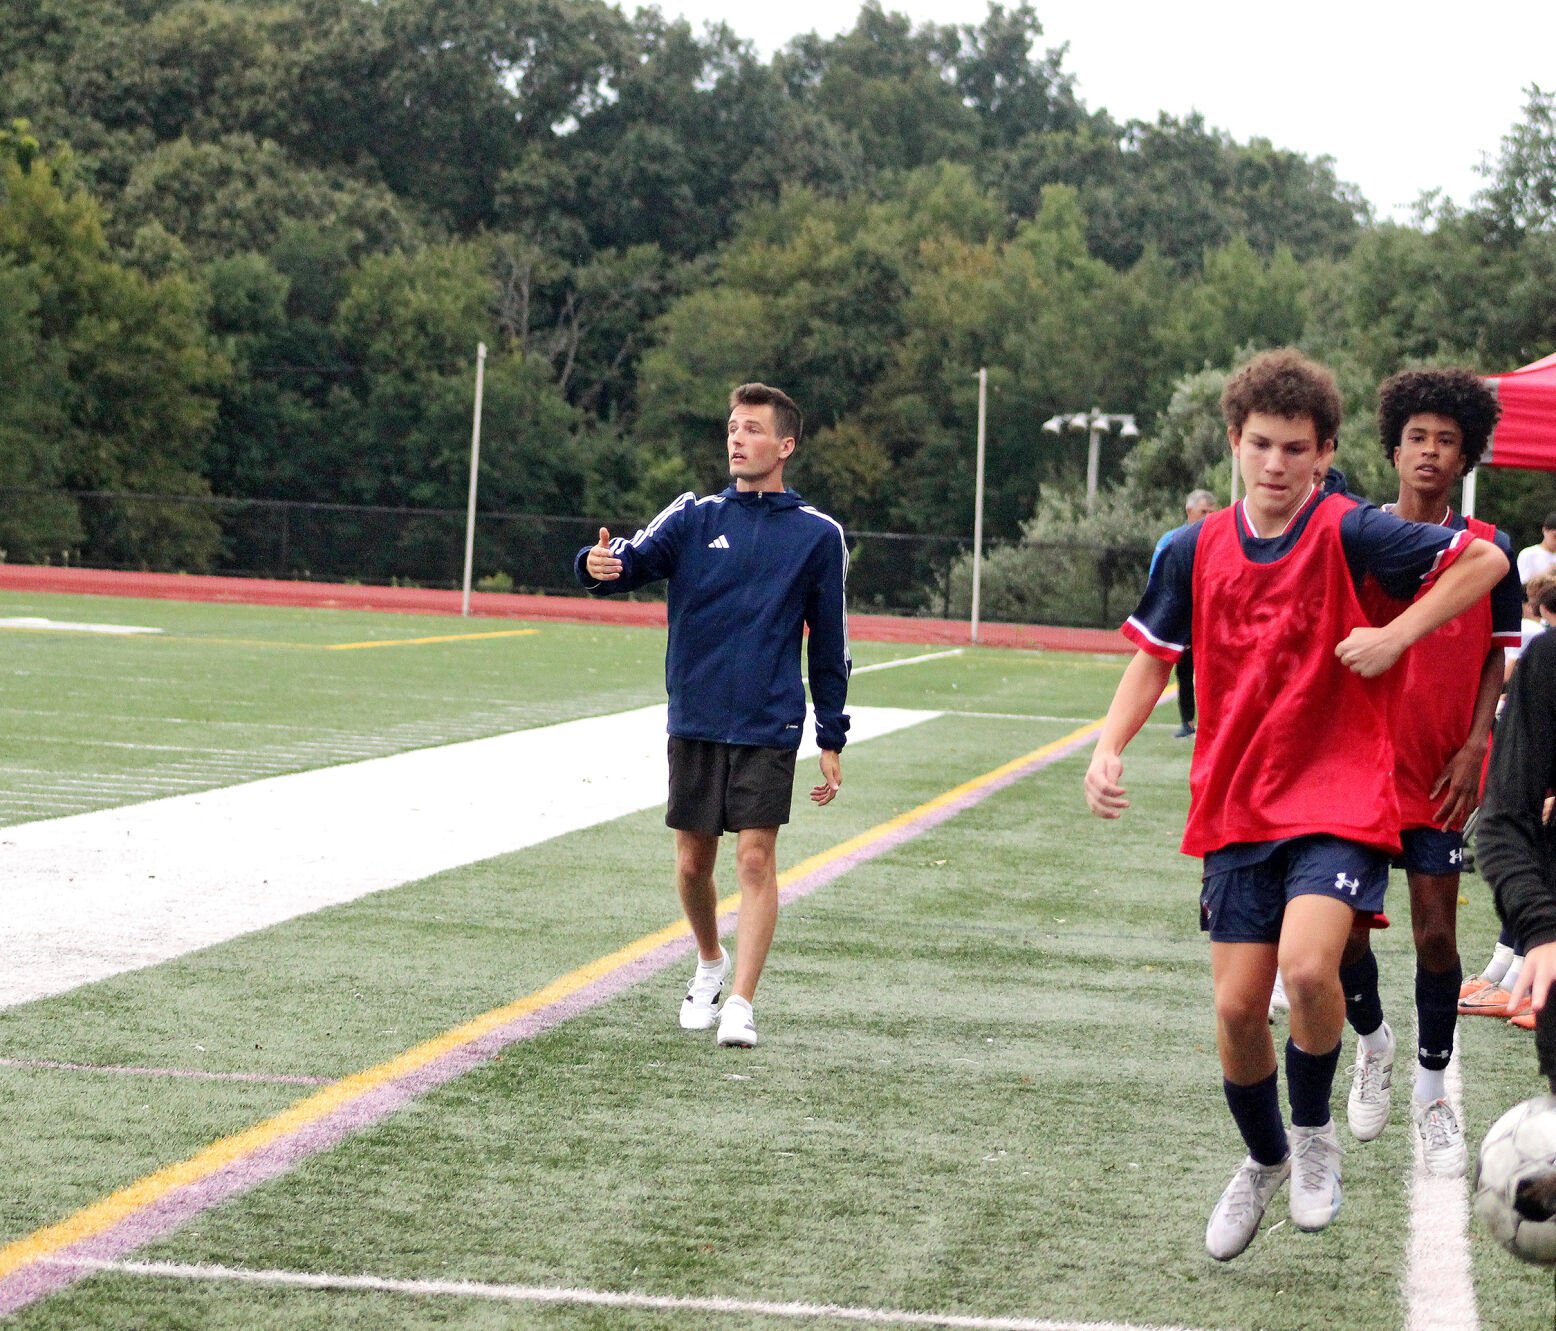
x=977 y=577
x=1467 y=497
x=1093 y=457
x=475 y=464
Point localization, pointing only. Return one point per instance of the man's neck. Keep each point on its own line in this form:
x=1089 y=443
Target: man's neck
x=1414 y=506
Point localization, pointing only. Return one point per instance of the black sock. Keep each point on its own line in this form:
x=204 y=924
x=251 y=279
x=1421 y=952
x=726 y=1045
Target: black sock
x=1437 y=1009
x=1309 y=1081
x=1256 y=1111
x=1363 y=1007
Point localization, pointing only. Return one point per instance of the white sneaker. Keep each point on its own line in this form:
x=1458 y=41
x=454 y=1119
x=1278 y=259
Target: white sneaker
x=1315 y=1176
x=1372 y=1086
x=1442 y=1139
x=701 y=1007
x=737 y=1025
x=1236 y=1218
x=1278 y=1000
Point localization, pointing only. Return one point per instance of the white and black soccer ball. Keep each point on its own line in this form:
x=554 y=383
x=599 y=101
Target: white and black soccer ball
x=1515 y=1180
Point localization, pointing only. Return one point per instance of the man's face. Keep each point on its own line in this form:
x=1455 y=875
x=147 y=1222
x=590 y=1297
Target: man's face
x=1549 y=541
x=1430 y=456
x=1203 y=509
x=756 y=453
x=1280 y=459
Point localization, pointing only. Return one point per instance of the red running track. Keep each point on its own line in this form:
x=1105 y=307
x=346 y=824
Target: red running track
x=505 y=605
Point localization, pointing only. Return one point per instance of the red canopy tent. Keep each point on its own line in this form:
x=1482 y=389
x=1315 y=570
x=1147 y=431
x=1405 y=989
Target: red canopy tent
x=1526 y=434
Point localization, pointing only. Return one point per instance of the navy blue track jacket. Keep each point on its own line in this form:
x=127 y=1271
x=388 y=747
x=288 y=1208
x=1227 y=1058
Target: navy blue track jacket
x=747 y=571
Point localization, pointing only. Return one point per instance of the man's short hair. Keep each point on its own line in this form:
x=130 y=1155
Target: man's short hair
x=1535 y=588
x=786 y=415
x=1284 y=383
x=1462 y=396
x=1550 y=521
x=1197 y=497
x=1547 y=599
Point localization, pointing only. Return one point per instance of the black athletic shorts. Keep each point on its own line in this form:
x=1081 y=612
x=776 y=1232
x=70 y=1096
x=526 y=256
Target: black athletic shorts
x=717 y=788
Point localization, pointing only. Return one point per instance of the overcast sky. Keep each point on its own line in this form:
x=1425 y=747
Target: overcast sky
x=1405 y=97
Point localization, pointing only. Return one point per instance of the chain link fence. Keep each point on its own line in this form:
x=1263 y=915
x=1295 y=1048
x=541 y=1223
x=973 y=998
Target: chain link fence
x=889 y=572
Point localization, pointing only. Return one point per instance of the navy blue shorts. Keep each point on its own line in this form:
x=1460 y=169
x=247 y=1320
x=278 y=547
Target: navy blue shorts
x=1431 y=850
x=1247 y=904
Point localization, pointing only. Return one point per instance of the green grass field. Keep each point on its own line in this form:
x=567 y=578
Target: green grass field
x=986 y=1086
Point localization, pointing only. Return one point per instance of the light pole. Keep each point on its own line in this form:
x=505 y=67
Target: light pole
x=983 y=424
x=1096 y=423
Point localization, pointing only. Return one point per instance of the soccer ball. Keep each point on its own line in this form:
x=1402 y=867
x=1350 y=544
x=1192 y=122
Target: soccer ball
x=1515 y=1180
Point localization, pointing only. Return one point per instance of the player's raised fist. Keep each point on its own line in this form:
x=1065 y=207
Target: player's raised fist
x=603 y=566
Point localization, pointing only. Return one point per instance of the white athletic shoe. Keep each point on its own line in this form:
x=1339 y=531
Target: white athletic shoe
x=1315 y=1176
x=737 y=1025
x=1372 y=1086
x=1278 y=999
x=1442 y=1139
x=701 y=1008
x=1236 y=1218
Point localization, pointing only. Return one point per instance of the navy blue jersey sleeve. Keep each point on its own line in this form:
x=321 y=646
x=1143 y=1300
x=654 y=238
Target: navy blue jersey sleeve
x=1161 y=622
x=1403 y=556
x=648 y=557
x=1507 y=601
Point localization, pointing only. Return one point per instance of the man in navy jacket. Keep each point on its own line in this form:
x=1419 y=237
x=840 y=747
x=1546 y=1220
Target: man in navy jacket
x=749 y=570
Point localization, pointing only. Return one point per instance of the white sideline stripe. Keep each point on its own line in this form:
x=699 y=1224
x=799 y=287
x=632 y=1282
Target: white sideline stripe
x=909 y=660
x=1439 y=1289
x=471 y=1289
x=65 y=626
x=93 y=895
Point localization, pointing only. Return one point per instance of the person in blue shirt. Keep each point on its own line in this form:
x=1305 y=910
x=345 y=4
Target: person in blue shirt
x=1198 y=504
x=748 y=571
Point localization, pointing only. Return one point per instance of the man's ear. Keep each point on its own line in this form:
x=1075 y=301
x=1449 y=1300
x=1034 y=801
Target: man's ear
x=786 y=446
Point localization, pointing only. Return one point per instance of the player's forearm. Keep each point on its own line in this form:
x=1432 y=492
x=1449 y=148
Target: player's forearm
x=1472 y=575
x=1133 y=701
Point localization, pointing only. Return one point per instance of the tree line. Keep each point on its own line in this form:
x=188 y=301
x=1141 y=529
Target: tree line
x=249 y=251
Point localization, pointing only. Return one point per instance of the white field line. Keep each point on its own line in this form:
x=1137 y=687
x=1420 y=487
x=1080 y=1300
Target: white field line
x=65 y=626
x=469 y=1289
x=91 y=895
x=1439 y=1290
x=908 y=660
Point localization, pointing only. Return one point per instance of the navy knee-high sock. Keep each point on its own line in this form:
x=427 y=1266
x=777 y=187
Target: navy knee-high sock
x=1363 y=1006
x=1437 y=1010
x=1309 y=1081
x=1256 y=1111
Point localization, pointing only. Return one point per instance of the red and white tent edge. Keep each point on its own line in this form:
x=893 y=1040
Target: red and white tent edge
x=1526 y=434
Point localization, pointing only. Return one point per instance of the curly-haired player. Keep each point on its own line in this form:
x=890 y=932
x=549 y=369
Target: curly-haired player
x=1433 y=426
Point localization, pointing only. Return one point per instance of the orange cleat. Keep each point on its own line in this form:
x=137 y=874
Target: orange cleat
x=1524 y=1021
x=1488 y=1002
x=1473 y=985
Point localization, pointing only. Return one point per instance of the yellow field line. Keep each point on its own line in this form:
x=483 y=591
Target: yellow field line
x=118 y=1206
x=417 y=642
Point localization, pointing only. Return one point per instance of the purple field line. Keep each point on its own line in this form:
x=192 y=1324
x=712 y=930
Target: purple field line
x=193 y=1074
x=55 y=1270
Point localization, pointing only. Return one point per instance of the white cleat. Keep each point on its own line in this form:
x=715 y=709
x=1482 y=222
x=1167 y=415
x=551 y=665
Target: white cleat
x=1372 y=1086
x=1238 y=1214
x=1442 y=1139
x=701 y=1006
x=737 y=1026
x=1315 y=1176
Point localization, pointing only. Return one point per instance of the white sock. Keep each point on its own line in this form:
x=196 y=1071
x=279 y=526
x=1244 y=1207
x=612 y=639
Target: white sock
x=1430 y=1085
x=1377 y=1042
x=1511 y=978
x=1496 y=968
x=712 y=965
x=736 y=1001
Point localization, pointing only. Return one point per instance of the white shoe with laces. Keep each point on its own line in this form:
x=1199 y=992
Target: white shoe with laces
x=1372 y=1083
x=1442 y=1139
x=1315 y=1176
x=737 y=1025
x=1236 y=1218
x=701 y=1006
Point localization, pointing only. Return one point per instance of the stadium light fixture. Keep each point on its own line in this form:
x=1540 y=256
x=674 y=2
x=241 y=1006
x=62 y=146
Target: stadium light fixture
x=1096 y=423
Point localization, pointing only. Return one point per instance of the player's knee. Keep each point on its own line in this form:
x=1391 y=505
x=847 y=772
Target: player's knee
x=1437 y=946
x=1241 y=1010
x=1308 y=980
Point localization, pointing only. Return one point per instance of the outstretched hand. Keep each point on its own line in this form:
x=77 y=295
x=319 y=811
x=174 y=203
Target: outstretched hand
x=831 y=778
x=602 y=565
